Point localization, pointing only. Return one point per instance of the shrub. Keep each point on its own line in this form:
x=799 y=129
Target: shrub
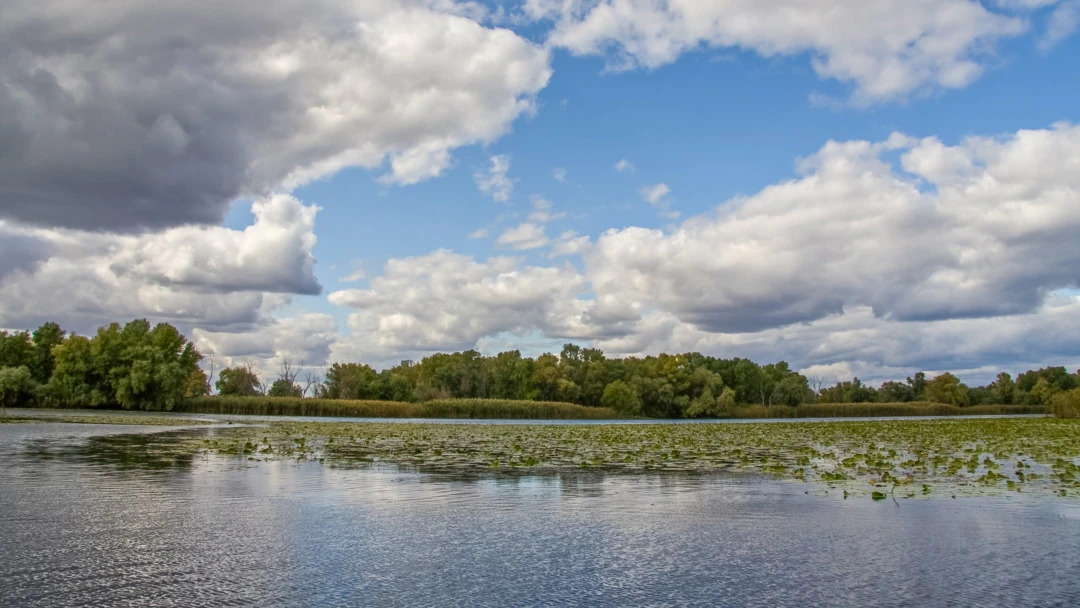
x=1066 y=404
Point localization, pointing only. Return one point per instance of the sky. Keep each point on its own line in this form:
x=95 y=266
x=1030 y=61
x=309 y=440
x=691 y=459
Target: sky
x=859 y=187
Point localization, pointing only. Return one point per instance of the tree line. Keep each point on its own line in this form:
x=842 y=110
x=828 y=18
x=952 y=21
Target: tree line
x=131 y=366
x=136 y=366
x=661 y=386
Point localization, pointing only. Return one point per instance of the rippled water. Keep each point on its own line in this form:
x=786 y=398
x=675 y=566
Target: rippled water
x=89 y=517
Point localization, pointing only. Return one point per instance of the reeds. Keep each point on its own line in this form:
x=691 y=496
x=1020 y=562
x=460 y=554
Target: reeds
x=443 y=408
x=858 y=410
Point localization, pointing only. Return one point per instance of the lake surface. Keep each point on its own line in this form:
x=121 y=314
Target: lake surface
x=90 y=516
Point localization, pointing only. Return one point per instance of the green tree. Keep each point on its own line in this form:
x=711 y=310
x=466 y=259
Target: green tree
x=239 y=381
x=283 y=388
x=16 y=349
x=1002 y=389
x=132 y=366
x=947 y=388
x=351 y=381
x=918 y=386
x=17 y=387
x=75 y=381
x=620 y=397
x=45 y=339
x=197 y=384
x=706 y=404
x=895 y=392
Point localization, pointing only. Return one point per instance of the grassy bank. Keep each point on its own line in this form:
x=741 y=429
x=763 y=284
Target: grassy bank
x=446 y=408
x=551 y=410
x=861 y=410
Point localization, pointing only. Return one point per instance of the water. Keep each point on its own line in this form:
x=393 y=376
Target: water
x=90 y=517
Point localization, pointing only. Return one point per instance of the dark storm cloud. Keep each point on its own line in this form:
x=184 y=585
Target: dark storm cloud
x=132 y=115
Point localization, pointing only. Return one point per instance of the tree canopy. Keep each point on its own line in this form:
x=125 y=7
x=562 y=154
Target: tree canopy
x=136 y=366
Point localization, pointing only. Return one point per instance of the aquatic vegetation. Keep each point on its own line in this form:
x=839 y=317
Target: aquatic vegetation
x=105 y=418
x=1039 y=456
x=905 y=458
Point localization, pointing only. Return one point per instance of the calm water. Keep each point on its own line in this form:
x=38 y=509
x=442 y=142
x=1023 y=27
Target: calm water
x=88 y=518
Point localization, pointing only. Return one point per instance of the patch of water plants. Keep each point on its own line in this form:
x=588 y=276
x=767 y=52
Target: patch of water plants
x=107 y=418
x=899 y=459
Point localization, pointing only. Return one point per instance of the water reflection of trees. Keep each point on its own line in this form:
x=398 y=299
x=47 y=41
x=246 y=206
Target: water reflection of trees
x=127 y=452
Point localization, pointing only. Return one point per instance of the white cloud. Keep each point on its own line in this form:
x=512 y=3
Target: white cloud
x=1063 y=23
x=148 y=115
x=993 y=235
x=559 y=173
x=446 y=301
x=211 y=276
x=658 y=196
x=655 y=194
x=542 y=213
x=886 y=49
x=357 y=274
x=495 y=181
x=624 y=166
x=569 y=243
x=856 y=342
x=304 y=338
x=273 y=254
x=523 y=236
x=479 y=233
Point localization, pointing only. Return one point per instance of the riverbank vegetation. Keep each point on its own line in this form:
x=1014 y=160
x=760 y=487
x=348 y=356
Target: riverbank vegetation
x=501 y=408
x=136 y=366
x=446 y=408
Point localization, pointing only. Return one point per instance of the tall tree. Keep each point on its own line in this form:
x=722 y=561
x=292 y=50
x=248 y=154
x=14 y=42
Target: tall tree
x=239 y=381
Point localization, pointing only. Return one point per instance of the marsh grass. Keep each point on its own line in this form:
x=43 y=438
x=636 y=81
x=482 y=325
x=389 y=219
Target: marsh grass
x=1067 y=404
x=445 y=408
x=520 y=410
x=859 y=410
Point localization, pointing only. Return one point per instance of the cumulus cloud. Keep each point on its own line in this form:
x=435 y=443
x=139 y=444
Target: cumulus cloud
x=273 y=254
x=886 y=49
x=479 y=233
x=135 y=115
x=980 y=229
x=494 y=181
x=302 y=338
x=857 y=342
x=213 y=276
x=559 y=173
x=447 y=301
x=624 y=166
x=523 y=236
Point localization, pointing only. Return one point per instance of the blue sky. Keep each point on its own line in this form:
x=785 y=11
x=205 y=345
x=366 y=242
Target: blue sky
x=946 y=249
